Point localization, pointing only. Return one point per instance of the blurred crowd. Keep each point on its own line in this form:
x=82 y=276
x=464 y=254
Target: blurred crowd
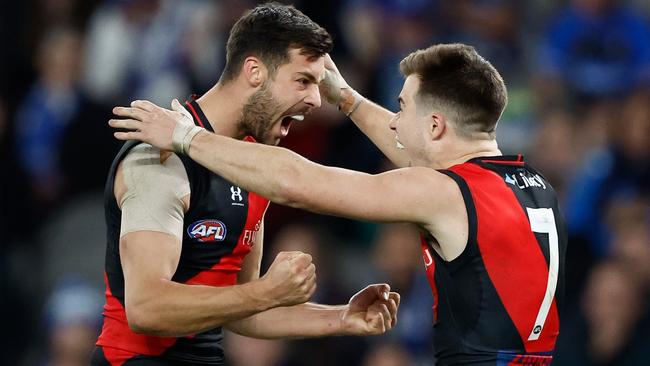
x=578 y=73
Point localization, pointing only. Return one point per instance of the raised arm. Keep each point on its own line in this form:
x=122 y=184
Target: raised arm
x=153 y=195
x=372 y=119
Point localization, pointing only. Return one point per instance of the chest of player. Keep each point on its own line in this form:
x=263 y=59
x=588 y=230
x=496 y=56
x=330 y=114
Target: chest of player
x=220 y=228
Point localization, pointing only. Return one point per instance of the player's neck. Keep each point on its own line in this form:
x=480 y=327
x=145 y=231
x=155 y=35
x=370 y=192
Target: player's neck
x=466 y=150
x=222 y=105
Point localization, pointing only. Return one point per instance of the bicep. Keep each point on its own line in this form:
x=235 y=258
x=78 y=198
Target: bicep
x=148 y=256
x=152 y=194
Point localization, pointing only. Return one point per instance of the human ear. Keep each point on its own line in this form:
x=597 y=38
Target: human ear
x=437 y=125
x=254 y=71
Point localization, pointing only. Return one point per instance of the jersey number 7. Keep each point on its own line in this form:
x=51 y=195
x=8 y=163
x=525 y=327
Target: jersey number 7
x=542 y=221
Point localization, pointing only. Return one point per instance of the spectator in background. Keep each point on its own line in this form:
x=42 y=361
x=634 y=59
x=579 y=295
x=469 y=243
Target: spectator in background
x=613 y=325
x=629 y=221
x=595 y=49
x=73 y=322
x=388 y=354
x=399 y=263
x=401 y=27
x=619 y=169
x=46 y=112
x=333 y=287
x=553 y=149
x=492 y=27
x=153 y=48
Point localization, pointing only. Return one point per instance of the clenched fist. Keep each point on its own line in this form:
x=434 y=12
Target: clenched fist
x=371 y=311
x=291 y=279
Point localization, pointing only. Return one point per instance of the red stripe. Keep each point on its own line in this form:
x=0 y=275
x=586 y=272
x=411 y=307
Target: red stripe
x=531 y=360
x=119 y=343
x=518 y=162
x=196 y=115
x=225 y=272
x=512 y=256
x=430 y=265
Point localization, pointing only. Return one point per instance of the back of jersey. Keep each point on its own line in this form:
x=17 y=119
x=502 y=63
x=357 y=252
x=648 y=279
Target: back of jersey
x=497 y=303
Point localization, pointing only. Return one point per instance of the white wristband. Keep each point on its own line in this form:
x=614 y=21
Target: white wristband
x=183 y=135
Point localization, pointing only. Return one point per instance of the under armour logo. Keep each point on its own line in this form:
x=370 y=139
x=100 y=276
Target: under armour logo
x=236 y=194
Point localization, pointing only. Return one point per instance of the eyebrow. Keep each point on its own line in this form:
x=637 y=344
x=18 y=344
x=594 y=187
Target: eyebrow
x=309 y=76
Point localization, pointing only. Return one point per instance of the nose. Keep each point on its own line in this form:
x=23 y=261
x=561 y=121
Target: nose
x=313 y=96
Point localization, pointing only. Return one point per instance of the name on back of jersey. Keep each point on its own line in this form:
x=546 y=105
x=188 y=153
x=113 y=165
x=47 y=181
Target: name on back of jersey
x=524 y=180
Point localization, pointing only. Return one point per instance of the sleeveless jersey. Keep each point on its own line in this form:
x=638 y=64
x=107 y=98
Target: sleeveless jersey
x=219 y=231
x=497 y=303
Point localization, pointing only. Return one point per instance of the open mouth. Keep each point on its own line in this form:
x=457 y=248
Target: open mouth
x=286 y=121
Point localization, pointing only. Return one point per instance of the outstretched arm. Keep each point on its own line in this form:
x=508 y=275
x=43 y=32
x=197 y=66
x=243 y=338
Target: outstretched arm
x=372 y=119
x=417 y=195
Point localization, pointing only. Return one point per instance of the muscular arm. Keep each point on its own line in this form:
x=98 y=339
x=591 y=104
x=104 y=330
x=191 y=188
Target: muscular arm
x=152 y=199
x=158 y=306
x=416 y=195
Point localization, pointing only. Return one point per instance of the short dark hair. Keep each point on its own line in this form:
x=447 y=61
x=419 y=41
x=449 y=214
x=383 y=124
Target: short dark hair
x=456 y=77
x=267 y=32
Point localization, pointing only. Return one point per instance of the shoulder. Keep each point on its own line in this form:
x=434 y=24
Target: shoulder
x=146 y=170
x=437 y=192
x=146 y=160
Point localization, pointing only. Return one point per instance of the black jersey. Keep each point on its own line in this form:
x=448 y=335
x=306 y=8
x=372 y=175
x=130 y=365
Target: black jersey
x=219 y=231
x=497 y=303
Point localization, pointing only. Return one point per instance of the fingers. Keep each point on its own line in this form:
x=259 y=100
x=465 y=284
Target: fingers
x=395 y=297
x=128 y=124
x=287 y=255
x=310 y=270
x=144 y=104
x=128 y=135
x=134 y=113
x=302 y=260
x=383 y=290
x=392 y=308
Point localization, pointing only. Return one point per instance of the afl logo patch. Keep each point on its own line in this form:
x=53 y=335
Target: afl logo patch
x=207 y=230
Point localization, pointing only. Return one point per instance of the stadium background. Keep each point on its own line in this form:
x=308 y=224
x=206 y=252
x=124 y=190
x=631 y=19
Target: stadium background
x=578 y=74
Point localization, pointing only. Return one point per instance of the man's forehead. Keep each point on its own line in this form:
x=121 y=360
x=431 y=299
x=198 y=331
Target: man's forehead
x=299 y=63
x=409 y=88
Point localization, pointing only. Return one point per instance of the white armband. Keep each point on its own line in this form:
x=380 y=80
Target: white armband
x=154 y=197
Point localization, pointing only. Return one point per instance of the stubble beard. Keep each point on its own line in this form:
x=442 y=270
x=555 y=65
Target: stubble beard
x=257 y=115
